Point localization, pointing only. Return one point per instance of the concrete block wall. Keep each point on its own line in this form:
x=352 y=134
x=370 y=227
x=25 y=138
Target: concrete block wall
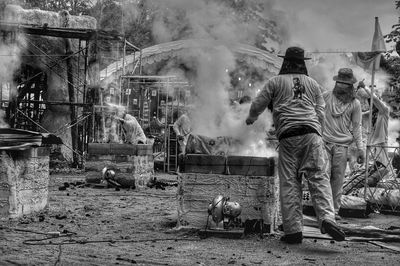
x=24 y=180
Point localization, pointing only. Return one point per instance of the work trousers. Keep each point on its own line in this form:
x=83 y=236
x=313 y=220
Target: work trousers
x=337 y=160
x=303 y=156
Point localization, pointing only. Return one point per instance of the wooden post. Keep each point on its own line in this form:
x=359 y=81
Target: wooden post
x=71 y=94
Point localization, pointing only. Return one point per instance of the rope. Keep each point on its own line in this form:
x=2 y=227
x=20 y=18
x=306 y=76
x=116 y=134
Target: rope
x=68 y=147
x=69 y=125
x=57 y=62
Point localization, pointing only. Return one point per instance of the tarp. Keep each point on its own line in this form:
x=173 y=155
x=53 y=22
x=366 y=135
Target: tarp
x=18 y=139
x=198 y=144
x=366 y=60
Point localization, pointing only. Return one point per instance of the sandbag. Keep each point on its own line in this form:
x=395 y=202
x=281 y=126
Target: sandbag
x=356 y=179
x=381 y=196
x=351 y=206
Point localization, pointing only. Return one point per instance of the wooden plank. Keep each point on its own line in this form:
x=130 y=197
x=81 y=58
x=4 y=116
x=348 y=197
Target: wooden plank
x=385 y=245
x=203 y=163
x=312 y=232
x=250 y=166
x=123 y=149
x=144 y=149
x=99 y=148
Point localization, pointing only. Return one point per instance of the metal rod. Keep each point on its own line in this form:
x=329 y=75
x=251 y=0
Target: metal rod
x=54 y=103
x=369 y=127
x=130 y=44
x=123 y=58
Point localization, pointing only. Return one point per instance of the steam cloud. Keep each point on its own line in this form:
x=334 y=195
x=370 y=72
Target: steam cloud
x=9 y=63
x=216 y=26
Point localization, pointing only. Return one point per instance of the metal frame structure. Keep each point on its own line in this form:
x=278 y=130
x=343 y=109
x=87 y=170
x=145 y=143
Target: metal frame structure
x=385 y=193
x=29 y=104
x=159 y=87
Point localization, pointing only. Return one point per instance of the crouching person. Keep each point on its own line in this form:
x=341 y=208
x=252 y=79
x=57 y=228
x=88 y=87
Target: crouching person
x=132 y=130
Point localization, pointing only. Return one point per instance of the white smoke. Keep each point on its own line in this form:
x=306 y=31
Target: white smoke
x=10 y=53
x=215 y=26
x=3 y=124
x=337 y=25
x=393 y=129
x=324 y=67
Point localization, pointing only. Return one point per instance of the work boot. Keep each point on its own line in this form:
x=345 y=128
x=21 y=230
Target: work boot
x=332 y=229
x=295 y=238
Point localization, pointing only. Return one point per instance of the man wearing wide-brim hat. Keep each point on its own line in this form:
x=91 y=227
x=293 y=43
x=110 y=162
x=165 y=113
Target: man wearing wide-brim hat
x=298 y=114
x=342 y=125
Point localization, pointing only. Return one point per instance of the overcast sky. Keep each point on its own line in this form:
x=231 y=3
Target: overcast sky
x=337 y=24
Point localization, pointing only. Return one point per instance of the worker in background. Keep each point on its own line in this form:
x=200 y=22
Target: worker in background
x=133 y=132
x=376 y=131
x=110 y=133
x=298 y=114
x=342 y=125
x=182 y=128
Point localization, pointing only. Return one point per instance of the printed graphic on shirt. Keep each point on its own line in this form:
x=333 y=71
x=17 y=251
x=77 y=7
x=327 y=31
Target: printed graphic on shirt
x=298 y=89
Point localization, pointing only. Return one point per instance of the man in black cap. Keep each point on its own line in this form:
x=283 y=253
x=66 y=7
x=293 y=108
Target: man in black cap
x=298 y=114
x=342 y=125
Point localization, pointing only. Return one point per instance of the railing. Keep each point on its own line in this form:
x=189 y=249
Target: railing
x=381 y=183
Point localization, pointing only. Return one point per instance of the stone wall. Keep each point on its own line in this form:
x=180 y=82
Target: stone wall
x=257 y=195
x=131 y=161
x=250 y=181
x=24 y=179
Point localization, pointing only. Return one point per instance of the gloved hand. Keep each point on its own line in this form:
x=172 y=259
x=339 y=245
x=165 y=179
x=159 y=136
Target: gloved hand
x=180 y=138
x=360 y=156
x=250 y=120
x=361 y=84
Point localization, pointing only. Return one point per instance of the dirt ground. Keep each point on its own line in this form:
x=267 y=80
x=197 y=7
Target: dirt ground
x=109 y=227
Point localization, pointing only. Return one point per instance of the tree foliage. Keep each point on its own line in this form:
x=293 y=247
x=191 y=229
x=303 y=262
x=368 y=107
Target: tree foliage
x=391 y=64
x=74 y=7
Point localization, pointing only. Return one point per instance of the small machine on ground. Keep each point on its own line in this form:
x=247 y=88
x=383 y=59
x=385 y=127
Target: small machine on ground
x=224 y=222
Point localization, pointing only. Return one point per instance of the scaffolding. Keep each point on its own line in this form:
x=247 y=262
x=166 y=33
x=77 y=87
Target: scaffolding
x=381 y=182
x=156 y=102
x=26 y=110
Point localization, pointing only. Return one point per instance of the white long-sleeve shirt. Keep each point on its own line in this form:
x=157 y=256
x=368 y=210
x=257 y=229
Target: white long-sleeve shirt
x=379 y=131
x=133 y=131
x=183 y=127
x=342 y=121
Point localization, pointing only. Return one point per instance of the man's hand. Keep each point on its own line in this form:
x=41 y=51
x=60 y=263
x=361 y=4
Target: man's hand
x=180 y=138
x=250 y=120
x=361 y=84
x=360 y=156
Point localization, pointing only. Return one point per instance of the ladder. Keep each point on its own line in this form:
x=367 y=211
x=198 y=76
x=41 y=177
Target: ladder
x=172 y=151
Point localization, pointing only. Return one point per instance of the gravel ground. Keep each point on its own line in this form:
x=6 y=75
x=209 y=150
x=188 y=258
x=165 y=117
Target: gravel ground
x=109 y=227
